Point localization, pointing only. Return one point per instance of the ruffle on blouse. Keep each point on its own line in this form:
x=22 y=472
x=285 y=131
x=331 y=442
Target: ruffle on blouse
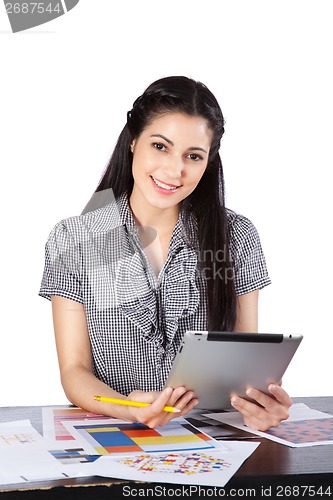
x=182 y=294
x=140 y=297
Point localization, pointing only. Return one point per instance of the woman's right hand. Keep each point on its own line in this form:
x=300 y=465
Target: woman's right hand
x=154 y=415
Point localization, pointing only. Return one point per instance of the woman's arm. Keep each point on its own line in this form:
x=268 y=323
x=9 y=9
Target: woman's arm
x=81 y=385
x=271 y=409
x=74 y=356
x=247 y=312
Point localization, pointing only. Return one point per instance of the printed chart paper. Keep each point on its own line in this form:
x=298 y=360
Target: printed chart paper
x=112 y=437
x=53 y=418
x=212 y=467
x=304 y=427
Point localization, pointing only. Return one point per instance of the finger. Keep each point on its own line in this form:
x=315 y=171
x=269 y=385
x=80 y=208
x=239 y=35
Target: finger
x=182 y=400
x=185 y=404
x=280 y=394
x=156 y=401
x=145 y=397
x=269 y=403
x=161 y=401
x=154 y=414
x=186 y=401
x=189 y=406
x=255 y=417
x=176 y=395
x=246 y=408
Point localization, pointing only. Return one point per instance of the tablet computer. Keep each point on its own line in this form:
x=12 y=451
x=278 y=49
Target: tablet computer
x=217 y=364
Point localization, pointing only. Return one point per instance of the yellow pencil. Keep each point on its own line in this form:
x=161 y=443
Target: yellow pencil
x=127 y=402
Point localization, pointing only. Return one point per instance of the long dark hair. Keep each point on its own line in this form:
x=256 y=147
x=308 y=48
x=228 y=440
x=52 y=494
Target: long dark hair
x=206 y=202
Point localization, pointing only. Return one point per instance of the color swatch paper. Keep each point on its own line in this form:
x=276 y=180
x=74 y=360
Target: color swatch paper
x=116 y=437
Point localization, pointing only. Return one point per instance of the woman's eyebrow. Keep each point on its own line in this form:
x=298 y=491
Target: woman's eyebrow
x=197 y=148
x=163 y=137
x=194 y=148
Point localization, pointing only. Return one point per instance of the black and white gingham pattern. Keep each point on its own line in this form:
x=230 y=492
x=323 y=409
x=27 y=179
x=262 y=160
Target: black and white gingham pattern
x=135 y=319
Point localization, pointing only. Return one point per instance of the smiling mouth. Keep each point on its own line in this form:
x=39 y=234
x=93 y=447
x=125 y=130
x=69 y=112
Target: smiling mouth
x=168 y=187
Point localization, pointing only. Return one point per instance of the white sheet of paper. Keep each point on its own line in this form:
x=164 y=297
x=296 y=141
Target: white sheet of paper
x=23 y=456
x=211 y=468
x=304 y=427
x=19 y=423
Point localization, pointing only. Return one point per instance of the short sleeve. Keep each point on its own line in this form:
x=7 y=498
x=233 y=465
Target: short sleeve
x=61 y=276
x=247 y=254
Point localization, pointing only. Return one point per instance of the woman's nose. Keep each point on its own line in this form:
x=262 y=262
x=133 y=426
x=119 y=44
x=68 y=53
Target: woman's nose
x=174 y=168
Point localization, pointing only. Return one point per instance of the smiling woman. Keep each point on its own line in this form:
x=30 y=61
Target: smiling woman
x=165 y=173
x=161 y=256
x=168 y=171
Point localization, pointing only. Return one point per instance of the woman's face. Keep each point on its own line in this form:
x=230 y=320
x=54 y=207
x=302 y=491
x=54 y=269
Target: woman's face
x=169 y=158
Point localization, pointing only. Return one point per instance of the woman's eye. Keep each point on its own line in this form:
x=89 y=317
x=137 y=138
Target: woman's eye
x=159 y=146
x=194 y=156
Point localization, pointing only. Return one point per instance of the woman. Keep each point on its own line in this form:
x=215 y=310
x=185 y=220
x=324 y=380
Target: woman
x=160 y=255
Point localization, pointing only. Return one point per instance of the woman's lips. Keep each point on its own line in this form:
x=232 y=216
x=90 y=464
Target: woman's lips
x=164 y=186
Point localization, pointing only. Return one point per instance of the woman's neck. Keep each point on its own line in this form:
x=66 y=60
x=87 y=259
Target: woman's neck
x=161 y=220
x=155 y=230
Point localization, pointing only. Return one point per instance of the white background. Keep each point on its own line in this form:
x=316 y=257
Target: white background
x=65 y=89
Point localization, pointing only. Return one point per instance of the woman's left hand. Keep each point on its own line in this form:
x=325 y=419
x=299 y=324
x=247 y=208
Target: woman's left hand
x=272 y=410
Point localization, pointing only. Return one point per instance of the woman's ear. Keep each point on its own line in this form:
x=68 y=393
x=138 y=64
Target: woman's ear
x=132 y=146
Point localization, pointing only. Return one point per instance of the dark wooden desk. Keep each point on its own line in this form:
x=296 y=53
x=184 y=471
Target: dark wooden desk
x=274 y=470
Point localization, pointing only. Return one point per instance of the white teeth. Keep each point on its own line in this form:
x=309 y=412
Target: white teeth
x=164 y=186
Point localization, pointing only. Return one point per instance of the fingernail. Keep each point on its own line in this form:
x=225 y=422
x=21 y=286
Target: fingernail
x=235 y=400
x=168 y=391
x=250 y=391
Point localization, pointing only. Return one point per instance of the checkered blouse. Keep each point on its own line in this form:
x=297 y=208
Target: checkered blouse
x=135 y=319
